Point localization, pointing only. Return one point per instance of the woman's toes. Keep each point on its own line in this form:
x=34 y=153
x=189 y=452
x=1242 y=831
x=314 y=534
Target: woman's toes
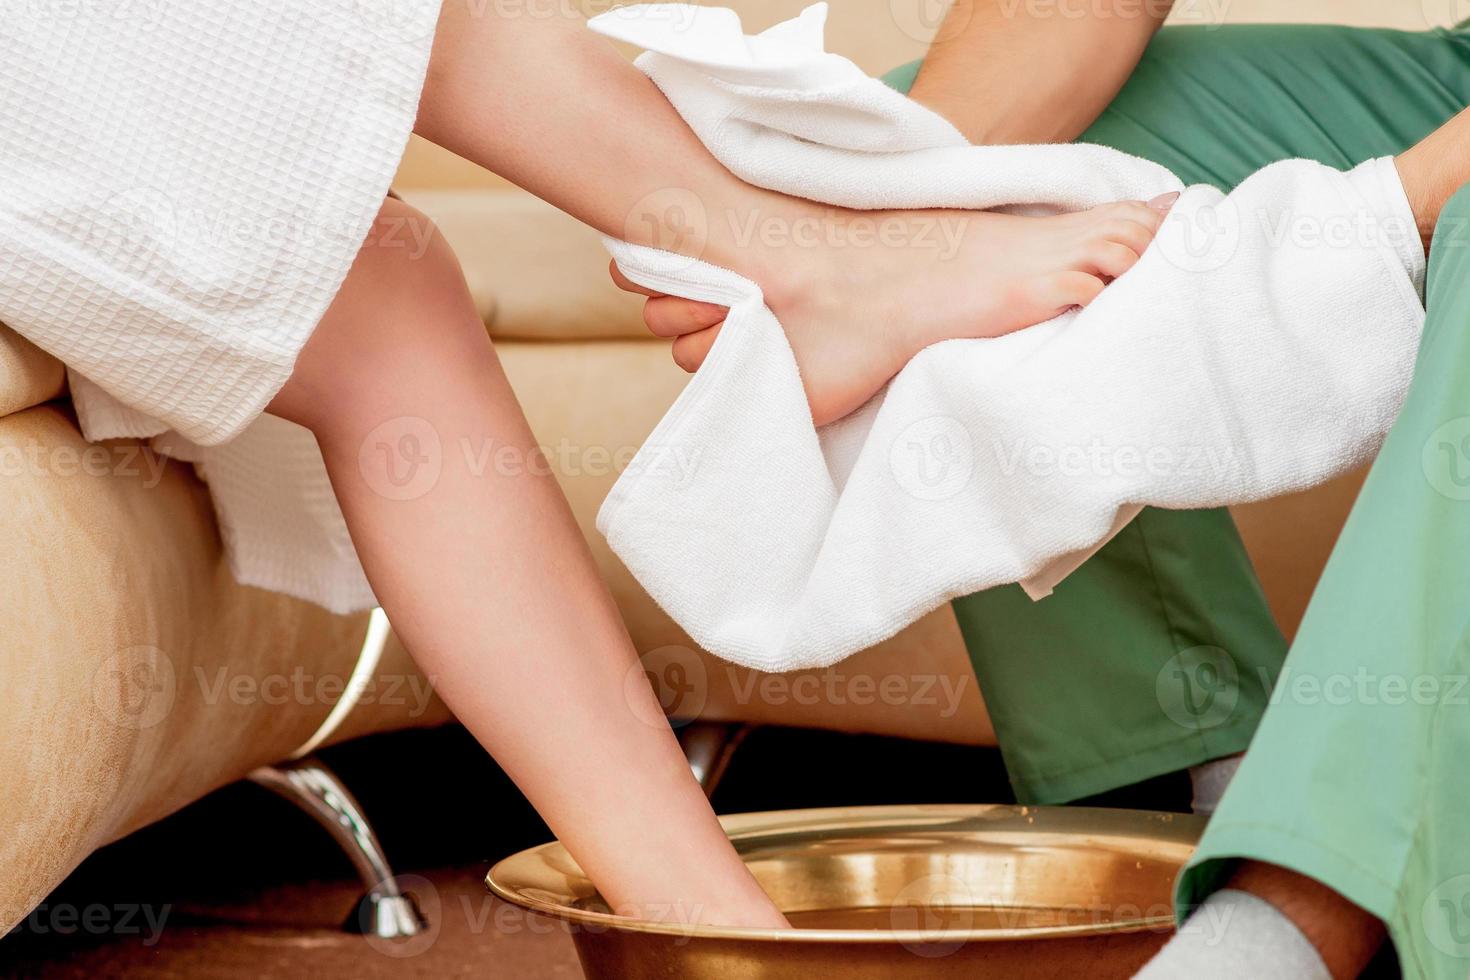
x=1107 y=258
x=1130 y=233
x=1150 y=214
x=1164 y=201
x=1150 y=217
x=1067 y=289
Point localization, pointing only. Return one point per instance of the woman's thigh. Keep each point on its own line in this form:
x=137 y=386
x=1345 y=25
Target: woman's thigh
x=1216 y=104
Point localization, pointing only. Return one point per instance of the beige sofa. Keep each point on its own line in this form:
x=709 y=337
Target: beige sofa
x=139 y=675
x=122 y=620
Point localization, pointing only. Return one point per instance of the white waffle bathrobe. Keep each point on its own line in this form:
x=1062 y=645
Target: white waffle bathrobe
x=183 y=187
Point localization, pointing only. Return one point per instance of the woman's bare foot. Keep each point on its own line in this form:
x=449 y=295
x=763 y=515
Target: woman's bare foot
x=880 y=287
x=855 y=325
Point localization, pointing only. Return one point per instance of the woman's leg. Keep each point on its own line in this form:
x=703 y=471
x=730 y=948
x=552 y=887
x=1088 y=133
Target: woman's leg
x=491 y=586
x=512 y=95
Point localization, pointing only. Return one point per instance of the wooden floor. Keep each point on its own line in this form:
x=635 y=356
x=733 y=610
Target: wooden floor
x=245 y=886
x=293 y=931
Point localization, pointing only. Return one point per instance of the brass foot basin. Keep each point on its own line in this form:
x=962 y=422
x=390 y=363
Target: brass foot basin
x=889 y=893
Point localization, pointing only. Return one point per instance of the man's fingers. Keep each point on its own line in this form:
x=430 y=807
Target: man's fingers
x=691 y=349
x=671 y=316
x=623 y=282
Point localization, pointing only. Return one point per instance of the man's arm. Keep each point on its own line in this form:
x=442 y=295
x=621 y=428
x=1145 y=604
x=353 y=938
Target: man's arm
x=1434 y=169
x=1033 y=71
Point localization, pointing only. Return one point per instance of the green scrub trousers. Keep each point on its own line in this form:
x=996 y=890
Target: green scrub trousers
x=1160 y=653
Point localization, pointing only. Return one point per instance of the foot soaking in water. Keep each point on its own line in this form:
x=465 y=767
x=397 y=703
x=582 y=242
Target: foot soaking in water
x=284 y=364
x=1311 y=869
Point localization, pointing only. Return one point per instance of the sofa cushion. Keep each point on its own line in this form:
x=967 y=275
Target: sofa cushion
x=534 y=272
x=28 y=375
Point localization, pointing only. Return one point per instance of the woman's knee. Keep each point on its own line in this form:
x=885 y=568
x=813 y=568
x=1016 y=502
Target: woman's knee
x=404 y=300
x=405 y=280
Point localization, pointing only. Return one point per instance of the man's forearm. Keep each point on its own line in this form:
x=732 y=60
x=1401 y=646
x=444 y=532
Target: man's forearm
x=1033 y=71
x=1434 y=169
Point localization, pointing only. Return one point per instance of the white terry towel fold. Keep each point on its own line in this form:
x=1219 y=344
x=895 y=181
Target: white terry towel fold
x=1263 y=344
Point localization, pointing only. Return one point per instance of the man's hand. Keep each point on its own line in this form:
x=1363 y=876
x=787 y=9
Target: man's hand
x=690 y=324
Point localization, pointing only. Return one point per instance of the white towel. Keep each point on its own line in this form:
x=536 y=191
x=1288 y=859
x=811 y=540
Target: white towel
x=1262 y=344
x=184 y=189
